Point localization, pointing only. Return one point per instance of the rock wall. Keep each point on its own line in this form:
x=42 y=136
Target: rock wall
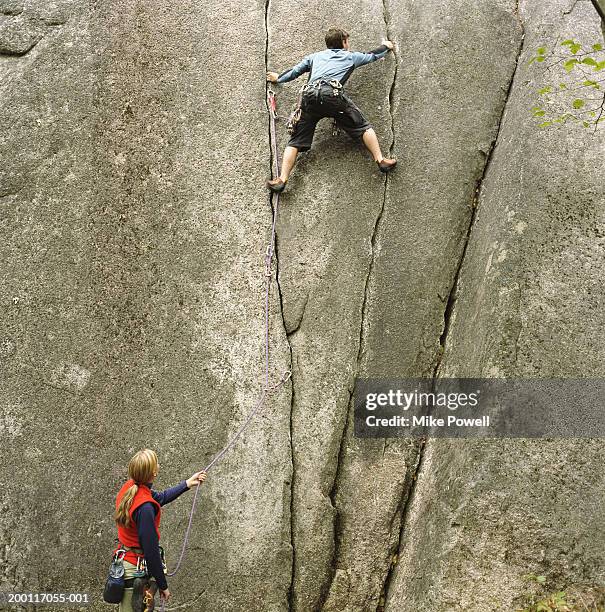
x=528 y=303
x=135 y=222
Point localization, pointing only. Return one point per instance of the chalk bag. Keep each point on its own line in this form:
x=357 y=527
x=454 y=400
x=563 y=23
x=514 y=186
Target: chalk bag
x=114 y=587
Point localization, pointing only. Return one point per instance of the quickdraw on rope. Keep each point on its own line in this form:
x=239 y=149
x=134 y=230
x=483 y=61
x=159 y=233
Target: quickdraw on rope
x=295 y=115
x=268 y=388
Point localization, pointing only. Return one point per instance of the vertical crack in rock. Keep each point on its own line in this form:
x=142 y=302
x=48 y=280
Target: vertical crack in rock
x=453 y=293
x=364 y=308
x=386 y=14
x=408 y=488
x=360 y=351
x=406 y=498
x=337 y=528
x=408 y=491
x=298 y=324
x=281 y=309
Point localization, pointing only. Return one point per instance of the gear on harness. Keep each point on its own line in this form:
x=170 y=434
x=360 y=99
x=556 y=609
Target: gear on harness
x=143 y=594
x=316 y=86
x=294 y=117
x=313 y=90
x=141 y=570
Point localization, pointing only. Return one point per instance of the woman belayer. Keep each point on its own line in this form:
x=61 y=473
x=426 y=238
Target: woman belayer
x=137 y=515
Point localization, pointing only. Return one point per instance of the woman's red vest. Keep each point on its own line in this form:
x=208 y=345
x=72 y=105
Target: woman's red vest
x=129 y=536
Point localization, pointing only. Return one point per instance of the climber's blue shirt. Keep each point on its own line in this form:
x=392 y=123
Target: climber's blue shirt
x=331 y=64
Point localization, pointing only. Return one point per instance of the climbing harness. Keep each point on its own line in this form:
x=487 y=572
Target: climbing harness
x=141 y=566
x=316 y=86
x=268 y=388
x=314 y=90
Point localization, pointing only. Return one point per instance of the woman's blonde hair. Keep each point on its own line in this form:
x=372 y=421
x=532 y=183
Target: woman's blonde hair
x=142 y=468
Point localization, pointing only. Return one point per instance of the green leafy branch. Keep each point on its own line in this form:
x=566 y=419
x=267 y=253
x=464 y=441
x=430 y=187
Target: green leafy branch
x=580 y=64
x=580 y=597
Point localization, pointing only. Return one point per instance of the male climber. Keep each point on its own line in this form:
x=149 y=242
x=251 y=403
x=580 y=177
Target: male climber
x=323 y=96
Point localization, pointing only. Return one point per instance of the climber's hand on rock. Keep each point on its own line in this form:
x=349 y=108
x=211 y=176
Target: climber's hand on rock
x=165 y=594
x=272 y=77
x=389 y=44
x=196 y=479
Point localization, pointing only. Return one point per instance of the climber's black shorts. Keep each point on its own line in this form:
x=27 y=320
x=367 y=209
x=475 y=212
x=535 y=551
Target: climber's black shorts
x=316 y=106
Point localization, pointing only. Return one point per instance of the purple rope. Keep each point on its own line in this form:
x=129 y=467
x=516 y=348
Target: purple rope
x=285 y=377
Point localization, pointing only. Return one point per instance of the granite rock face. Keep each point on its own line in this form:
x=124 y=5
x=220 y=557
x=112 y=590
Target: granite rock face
x=135 y=221
x=528 y=303
x=132 y=285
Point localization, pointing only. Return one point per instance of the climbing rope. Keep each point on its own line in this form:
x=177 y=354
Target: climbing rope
x=267 y=389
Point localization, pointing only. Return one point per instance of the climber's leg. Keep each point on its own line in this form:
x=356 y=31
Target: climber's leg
x=290 y=154
x=352 y=120
x=370 y=140
x=300 y=141
x=278 y=184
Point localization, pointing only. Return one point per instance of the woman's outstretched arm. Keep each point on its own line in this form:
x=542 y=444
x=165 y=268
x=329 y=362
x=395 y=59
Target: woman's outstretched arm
x=165 y=497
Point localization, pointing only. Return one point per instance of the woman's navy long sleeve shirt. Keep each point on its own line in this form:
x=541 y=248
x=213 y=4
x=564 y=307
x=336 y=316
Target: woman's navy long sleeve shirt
x=144 y=518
